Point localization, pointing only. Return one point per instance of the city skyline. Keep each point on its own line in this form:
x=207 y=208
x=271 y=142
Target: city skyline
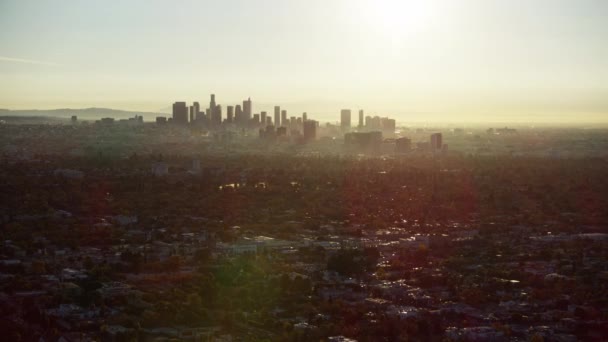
x=457 y=61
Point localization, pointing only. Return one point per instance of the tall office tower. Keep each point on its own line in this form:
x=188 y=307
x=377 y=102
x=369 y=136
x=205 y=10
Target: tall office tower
x=191 y=114
x=310 y=130
x=217 y=118
x=212 y=102
x=284 y=118
x=268 y=121
x=230 y=114
x=277 y=116
x=247 y=111
x=436 y=141
x=304 y=116
x=361 y=118
x=197 y=109
x=180 y=113
x=368 y=122
x=238 y=115
x=256 y=119
x=345 y=119
x=263 y=118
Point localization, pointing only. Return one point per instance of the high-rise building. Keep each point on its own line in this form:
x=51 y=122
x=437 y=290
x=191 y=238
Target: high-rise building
x=436 y=141
x=310 y=130
x=256 y=119
x=361 y=118
x=304 y=117
x=284 y=118
x=277 y=116
x=345 y=119
x=263 y=118
x=247 y=111
x=197 y=110
x=230 y=114
x=238 y=115
x=180 y=113
x=191 y=114
x=212 y=102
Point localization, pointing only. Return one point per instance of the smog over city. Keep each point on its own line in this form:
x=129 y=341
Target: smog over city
x=283 y=170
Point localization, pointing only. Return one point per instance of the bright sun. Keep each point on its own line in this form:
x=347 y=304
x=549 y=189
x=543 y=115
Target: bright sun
x=398 y=18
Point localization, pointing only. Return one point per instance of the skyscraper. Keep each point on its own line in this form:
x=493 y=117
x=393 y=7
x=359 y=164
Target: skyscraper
x=247 y=111
x=284 y=118
x=304 y=117
x=238 y=115
x=180 y=113
x=230 y=114
x=217 y=115
x=436 y=141
x=214 y=114
x=277 y=116
x=310 y=130
x=191 y=114
x=345 y=119
x=212 y=102
x=197 y=109
x=263 y=118
x=361 y=118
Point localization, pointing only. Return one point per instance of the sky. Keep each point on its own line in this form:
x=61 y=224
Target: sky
x=415 y=60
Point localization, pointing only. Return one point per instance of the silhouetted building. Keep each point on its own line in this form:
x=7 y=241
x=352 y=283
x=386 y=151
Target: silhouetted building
x=263 y=118
x=247 y=111
x=191 y=114
x=388 y=125
x=197 y=110
x=74 y=119
x=238 y=115
x=180 y=113
x=436 y=141
x=403 y=145
x=284 y=118
x=212 y=102
x=310 y=130
x=217 y=115
x=230 y=114
x=161 y=120
x=277 y=116
x=345 y=119
x=361 y=118
x=304 y=117
x=363 y=142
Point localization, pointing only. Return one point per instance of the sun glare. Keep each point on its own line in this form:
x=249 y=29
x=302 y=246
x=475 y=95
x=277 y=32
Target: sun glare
x=398 y=18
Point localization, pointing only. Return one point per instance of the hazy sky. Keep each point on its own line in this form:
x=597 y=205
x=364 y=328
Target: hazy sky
x=454 y=60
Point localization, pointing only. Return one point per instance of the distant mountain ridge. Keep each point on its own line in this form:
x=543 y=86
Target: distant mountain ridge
x=92 y=113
